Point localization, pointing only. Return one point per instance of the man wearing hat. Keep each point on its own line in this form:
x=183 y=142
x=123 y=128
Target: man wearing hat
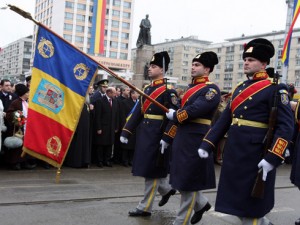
x=154 y=133
x=190 y=174
x=246 y=120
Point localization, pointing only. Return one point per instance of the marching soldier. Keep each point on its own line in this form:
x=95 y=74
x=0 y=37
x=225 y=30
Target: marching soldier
x=154 y=133
x=246 y=121
x=189 y=173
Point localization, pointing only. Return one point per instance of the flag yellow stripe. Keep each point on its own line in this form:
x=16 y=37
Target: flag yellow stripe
x=98 y=26
x=72 y=105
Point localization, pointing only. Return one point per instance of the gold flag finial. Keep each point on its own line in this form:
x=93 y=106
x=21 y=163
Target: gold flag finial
x=57 y=179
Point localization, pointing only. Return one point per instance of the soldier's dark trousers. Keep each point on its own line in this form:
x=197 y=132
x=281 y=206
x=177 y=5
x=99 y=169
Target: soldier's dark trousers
x=104 y=153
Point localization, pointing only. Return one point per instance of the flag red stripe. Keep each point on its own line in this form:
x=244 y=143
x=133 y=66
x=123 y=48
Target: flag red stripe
x=40 y=129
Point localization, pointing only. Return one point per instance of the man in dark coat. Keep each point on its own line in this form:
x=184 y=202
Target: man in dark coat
x=154 y=133
x=127 y=106
x=106 y=122
x=117 y=155
x=245 y=120
x=190 y=174
x=5 y=95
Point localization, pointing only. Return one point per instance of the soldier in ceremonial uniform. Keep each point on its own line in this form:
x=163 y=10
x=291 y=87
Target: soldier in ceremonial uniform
x=246 y=121
x=154 y=132
x=295 y=173
x=190 y=174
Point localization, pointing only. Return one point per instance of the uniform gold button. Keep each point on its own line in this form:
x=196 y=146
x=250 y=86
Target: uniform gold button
x=241 y=116
x=233 y=115
x=244 y=84
x=245 y=107
x=250 y=98
x=147 y=122
x=150 y=109
x=240 y=91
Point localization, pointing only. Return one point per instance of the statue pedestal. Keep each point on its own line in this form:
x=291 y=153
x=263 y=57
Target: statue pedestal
x=143 y=56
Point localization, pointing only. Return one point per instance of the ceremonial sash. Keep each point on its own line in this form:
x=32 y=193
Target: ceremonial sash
x=153 y=95
x=191 y=92
x=248 y=92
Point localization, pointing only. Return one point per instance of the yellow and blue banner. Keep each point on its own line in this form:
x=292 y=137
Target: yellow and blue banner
x=287 y=42
x=98 y=27
x=61 y=76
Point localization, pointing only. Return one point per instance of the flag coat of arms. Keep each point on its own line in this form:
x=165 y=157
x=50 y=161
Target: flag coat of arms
x=61 y=76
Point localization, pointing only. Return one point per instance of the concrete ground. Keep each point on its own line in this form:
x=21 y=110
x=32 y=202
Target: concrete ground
x=103 y=196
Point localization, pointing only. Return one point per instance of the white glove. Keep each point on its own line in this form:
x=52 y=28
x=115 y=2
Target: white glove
x=123 y=140
x=267 y=167
x=202 y=153
x=170 y=114
x=287 y=153
x=164 y=145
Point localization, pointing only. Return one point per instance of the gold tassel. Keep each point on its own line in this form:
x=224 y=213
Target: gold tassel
x=57 y=176
x=23 y=154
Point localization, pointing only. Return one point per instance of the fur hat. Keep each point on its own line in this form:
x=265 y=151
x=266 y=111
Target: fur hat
x=157 y=59
x=21 y=89
x=260 y=49
x=207 y=59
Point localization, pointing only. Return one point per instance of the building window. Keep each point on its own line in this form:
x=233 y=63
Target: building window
x=69 y=16
x=81 y=6
x=68 y=37
x=241 y=66
x=185 y=71
x=240 y=75
x=79 y=39
x=125 y=35
x=114 y=34
x=281 y=43
x=184 y=78
x=229 y=58
x=185 y=63
x=116 y=13
x=113 y=55
x=124 y=46
x=219 y=50
x=114 y=23
x=80 y=17
x=126 y=15
x=242 y=47
x=229 y=49
x=186 y=56
x=125 y=25
x=228 y=67
x=297 y=62
x=114 y=44
x=69 y=5
x=116 y=2
x=123 y=55
x=280 y=54
x=279 y=64
x=80 y=28
x=68 y=26
x=217 y=76
x=127 y=5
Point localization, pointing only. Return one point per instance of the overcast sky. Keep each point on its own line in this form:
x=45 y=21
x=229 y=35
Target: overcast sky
x=211 y=20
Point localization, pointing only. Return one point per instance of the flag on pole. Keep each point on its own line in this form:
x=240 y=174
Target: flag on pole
x=61 y=76
x=287 y=42
x=98 y=27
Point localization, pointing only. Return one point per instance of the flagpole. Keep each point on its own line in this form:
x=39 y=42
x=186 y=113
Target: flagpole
x=289 y=18
x=27 y=15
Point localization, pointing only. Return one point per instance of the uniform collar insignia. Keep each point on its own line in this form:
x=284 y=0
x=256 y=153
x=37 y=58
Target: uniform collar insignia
x=157 y=82
x=261 y=75
x=199 y=80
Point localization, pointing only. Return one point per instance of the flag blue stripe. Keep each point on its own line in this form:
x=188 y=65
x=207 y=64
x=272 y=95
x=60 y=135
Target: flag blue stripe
x=62 y=63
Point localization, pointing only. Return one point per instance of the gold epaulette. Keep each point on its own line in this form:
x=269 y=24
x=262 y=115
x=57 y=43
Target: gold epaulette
x=239 y=84
x=208 y=82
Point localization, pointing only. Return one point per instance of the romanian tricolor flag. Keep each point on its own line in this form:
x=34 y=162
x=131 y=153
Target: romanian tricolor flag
x=61 y=76
x=286 y=46
x=98 y=27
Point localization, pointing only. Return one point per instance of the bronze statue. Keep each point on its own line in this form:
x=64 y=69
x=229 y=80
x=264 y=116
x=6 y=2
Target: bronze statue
x=144 y=35
x=146 y=68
